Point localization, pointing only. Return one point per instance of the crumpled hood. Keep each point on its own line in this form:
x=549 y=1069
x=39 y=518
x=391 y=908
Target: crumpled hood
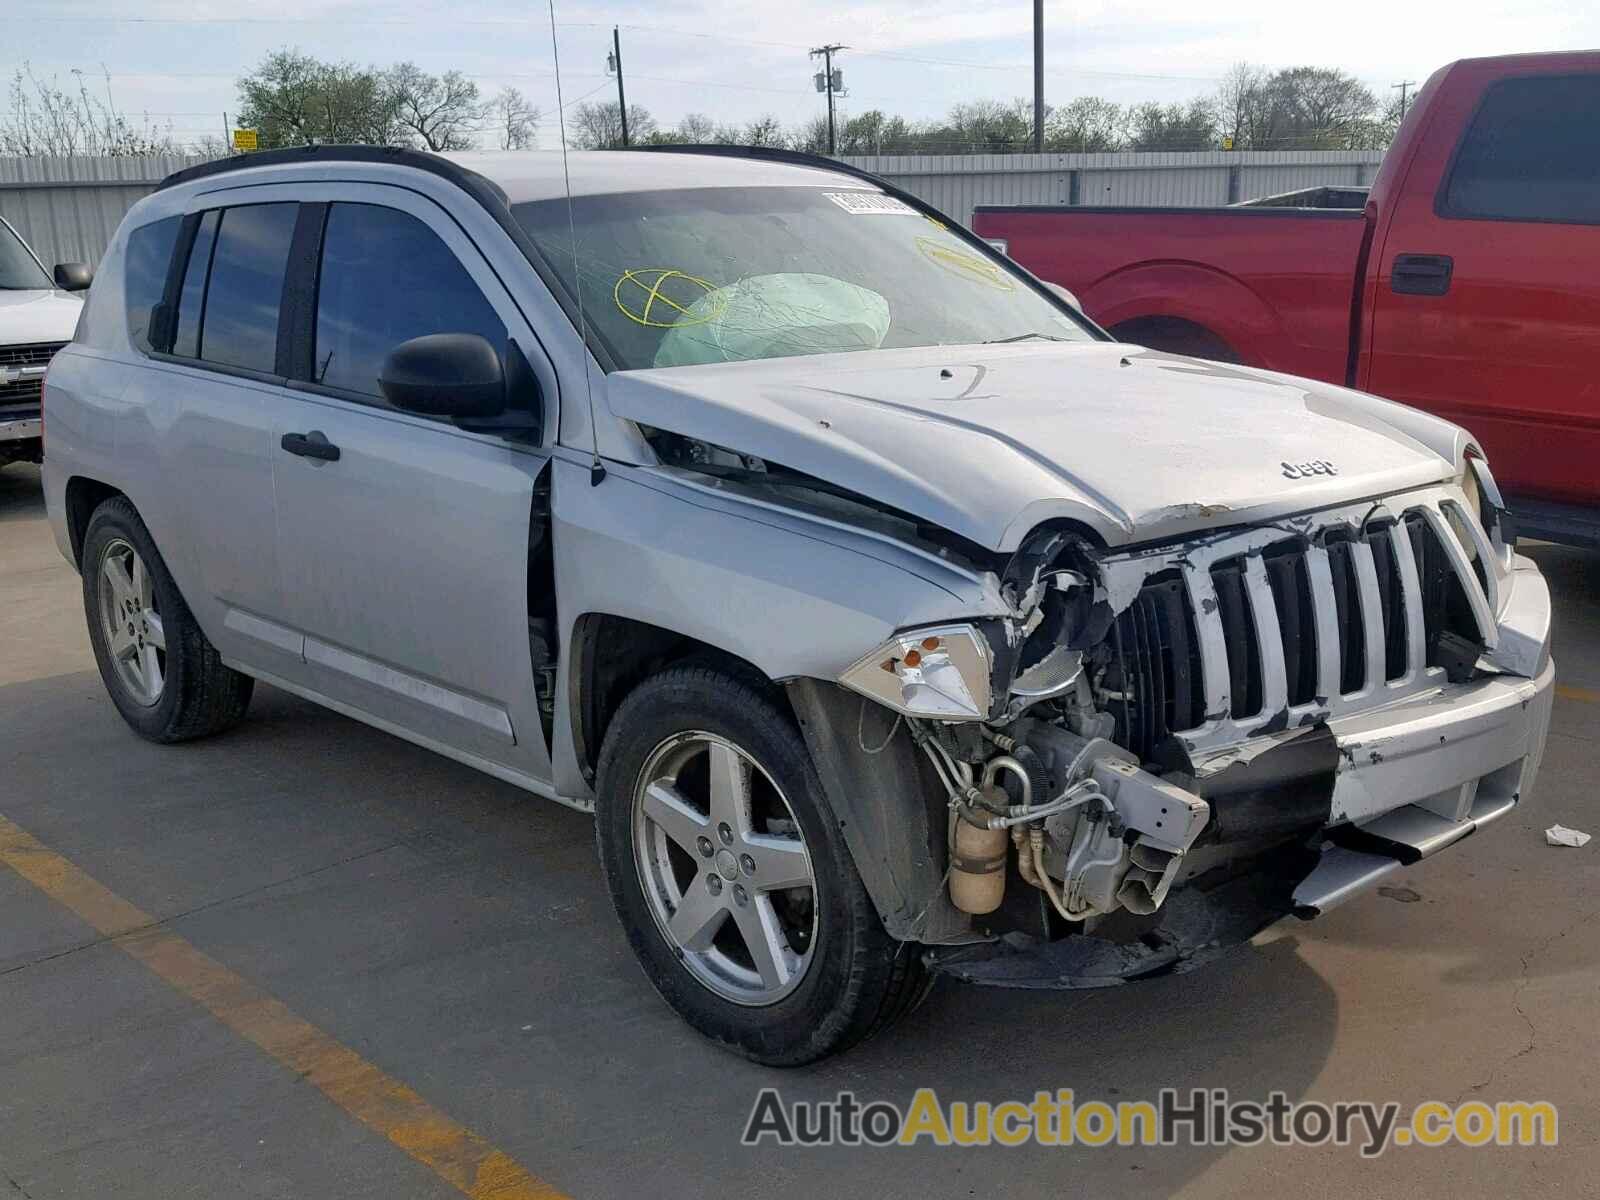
x=989 y=441
x=37 y=315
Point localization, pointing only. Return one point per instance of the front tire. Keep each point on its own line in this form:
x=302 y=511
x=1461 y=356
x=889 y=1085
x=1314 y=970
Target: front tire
x=732 y=879
x=165 y=678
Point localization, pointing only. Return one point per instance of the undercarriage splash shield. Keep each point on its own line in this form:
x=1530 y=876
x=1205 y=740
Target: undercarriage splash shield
x=1196 y=926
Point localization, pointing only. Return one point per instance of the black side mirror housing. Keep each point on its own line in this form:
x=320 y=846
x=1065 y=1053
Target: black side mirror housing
x=74 y=276
x=453 y=375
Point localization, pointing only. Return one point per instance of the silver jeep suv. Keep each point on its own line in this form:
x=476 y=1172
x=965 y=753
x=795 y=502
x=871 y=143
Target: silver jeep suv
x=890 y=618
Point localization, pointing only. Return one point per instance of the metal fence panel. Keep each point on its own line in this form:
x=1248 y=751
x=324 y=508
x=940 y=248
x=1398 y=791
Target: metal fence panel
x=68 y=208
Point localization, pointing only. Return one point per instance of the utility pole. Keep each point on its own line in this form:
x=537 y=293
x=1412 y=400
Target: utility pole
x=1404 y=85
x=615 y=64
x=1038 y=76
x=829 y=82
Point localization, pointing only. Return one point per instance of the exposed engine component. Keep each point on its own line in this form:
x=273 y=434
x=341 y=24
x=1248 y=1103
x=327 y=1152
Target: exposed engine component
x=1113 y=834
x=978 y=863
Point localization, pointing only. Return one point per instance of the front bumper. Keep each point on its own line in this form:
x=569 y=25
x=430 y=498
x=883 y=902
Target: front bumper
x=1425 y=778
x=1411 y=780
x=18 y=429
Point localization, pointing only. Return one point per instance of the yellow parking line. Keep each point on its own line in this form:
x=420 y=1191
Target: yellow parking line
x=382 y=1103
x=1586 y=695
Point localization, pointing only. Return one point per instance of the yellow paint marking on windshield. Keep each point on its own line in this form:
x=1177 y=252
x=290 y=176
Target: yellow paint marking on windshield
x=965 y=264
x=638 y=291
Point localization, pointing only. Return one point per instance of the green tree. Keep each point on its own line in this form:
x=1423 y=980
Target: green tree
x=294 y=99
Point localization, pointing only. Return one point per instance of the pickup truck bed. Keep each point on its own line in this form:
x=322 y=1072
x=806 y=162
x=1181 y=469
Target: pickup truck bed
x=1284 y=277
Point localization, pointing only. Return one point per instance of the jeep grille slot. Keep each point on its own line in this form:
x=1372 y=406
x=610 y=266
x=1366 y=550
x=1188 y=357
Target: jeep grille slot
x=1347 y=613
x=1297 y=618
x=1228 y=637
x=1445 y=607
x=1155 y=671
x=1391 y=599
x=1239 y=628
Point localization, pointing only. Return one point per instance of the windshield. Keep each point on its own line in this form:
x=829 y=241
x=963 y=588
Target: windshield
x=18 y=268
x=681 y=277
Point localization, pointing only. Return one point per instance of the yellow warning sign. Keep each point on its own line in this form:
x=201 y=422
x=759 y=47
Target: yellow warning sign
x=663 y=298
x=245 y=139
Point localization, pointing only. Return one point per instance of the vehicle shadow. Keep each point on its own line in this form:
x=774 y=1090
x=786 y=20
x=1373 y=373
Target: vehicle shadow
x=21 y=496
x=463 y=937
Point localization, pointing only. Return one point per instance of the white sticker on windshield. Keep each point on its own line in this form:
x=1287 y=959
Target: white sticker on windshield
x=871 y=204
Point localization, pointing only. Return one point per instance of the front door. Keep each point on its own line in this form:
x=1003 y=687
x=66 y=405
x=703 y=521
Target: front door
x=403 y=541
x=1487 y=307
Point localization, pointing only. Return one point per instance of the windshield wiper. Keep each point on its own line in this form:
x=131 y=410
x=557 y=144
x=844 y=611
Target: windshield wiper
x=1022 y=337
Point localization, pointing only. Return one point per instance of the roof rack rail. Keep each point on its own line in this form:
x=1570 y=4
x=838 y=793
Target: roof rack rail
x=799 y=158
x=394 y=155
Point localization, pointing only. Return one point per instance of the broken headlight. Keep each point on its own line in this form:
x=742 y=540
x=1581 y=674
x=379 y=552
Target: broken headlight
x=943 y=672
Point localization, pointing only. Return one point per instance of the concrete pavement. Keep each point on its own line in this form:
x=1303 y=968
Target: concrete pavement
x=454 y=933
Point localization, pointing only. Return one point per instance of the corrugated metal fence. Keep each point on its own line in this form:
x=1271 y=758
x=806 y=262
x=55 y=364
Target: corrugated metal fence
x=955 y=183
x=68 y=208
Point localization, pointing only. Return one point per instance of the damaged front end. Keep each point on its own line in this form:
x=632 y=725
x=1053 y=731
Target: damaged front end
x=1163 y=750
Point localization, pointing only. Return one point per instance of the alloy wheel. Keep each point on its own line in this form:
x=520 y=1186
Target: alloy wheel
x=724 y=868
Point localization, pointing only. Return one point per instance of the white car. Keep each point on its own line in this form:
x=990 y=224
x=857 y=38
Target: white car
x=37 y=317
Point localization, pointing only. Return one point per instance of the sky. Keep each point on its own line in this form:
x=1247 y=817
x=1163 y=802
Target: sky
x=735 y=60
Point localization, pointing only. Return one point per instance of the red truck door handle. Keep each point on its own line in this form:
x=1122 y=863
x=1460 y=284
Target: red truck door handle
x=1421 y=274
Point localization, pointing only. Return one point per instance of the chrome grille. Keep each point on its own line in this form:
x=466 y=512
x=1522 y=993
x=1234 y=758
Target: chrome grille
x=24 y=393
x=1265 y=629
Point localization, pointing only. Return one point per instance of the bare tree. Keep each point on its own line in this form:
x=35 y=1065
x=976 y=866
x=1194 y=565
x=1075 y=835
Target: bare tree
x=695 y=129
x=516 y=121
x=45 y=118
x=764 y=131
x=599 y=126
x=442 y=111
x=1239 y=102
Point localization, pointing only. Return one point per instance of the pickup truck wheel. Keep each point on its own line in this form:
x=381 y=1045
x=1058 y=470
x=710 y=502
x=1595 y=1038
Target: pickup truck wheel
x=732 y=880
x=165 y=678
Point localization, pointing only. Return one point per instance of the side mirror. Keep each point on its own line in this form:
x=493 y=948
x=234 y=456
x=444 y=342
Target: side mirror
x=73 y=277
x=455 y=375
x=1064 y=294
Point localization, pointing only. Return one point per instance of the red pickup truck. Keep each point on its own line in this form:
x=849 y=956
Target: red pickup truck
x=1468 y=284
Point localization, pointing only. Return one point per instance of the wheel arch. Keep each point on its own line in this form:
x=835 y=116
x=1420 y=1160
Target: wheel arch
x=1200 y=296
x=83 y=496
x=610 y=655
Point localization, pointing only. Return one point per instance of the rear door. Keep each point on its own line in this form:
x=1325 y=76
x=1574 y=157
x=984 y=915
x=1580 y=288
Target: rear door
x=1488 y=295
x=201 y=414
x=404 y=560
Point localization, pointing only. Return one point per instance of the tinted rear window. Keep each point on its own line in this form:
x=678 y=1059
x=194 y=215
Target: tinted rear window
x=144 y=274
x=240 y=324
x=1532 y=153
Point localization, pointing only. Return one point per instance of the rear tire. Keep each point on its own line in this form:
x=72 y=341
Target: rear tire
x=165 y=678
x=839 y=977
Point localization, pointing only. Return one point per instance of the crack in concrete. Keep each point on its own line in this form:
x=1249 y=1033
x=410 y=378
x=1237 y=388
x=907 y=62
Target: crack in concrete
x=1516 y=1004
x=199 y=908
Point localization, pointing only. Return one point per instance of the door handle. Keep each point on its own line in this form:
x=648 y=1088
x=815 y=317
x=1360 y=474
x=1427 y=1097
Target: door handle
x=1421 y=274
x=311 y=445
